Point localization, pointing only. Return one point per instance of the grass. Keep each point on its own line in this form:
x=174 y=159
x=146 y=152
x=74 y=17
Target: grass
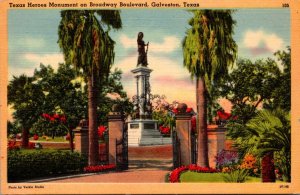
x=27 y=151
x=49 y=139
x=190 y=177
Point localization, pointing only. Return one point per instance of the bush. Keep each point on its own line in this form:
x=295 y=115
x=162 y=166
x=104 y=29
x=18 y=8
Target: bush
x=227 y=160
x=236 y=176
x=27 y=164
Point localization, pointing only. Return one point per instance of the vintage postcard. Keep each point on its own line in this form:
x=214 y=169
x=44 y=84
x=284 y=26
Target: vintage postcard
x=149 y=97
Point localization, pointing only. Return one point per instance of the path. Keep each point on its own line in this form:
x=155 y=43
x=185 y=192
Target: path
x=140 y=171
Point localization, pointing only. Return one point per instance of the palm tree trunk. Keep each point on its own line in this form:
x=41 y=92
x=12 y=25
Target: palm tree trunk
x=92 y=113
x=71 y=140
x=268 y=168
x=25 y=137
x=202 y=123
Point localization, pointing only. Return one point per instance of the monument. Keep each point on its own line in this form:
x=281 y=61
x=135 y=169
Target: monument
x=142 y=129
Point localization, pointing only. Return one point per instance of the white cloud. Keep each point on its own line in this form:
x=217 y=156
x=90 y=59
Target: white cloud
x=46 y=59
x=34 y=61
x=259 y=38
x=15 y=71
x=127 y=42
x=169 y=44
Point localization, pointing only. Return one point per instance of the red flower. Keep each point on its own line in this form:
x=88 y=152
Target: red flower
x=45 y=115
x=175 y=111
x=164 y=130
x=35 y=137
x=68 y=136
x=63 y=118
x=101 y=130
x=12 y=145
x=161 y=128
x=235 y=117
x=188 y=110
x=99 y=168
x=31 y=145
x=223 y=115
x=174 y=176
x=52 y=119
x=56 y=116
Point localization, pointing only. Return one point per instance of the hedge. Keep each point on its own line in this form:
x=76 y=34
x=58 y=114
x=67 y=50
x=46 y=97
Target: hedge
x=41 y=163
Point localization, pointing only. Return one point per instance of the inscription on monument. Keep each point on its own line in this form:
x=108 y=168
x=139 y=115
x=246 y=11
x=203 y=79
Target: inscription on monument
x=149 y=126
x=134 y=126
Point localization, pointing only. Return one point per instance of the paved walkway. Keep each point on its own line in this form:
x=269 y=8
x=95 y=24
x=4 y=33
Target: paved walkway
x=140 y=171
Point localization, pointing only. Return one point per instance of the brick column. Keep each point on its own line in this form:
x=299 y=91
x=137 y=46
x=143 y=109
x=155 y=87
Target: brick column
x=81 y=134
x=115 y=130
x=216 y=142
x=183 y=130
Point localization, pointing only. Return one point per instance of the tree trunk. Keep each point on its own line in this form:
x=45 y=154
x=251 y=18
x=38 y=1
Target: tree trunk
x=202 y=123
x=25 y=138
x=268 y=168
x=93 y=158
x=71 y=140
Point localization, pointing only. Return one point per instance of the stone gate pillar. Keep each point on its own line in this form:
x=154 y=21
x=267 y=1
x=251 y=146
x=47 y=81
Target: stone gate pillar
x=81 y=135
x=183 y=130
x=115 y=130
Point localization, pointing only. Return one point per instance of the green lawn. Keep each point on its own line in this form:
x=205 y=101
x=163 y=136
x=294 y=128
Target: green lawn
x=190 y=176
x=49 y=139
x=27 y=151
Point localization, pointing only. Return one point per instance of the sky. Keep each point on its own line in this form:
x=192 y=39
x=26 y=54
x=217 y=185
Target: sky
x=32 y=39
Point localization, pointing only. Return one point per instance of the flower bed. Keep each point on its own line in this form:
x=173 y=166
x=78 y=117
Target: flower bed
x=99 y=168
x=16 y=145
x=174 y=176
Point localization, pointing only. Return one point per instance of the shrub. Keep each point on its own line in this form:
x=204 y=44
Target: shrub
x=227 y=159
x=236 y=176
x=27 y=164
x=251 y=164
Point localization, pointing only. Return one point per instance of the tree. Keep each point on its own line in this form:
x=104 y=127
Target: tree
x=267 y=133
x=208 y=51
x=87 y=46
x=25 y=96
x=281 y=95
x=251 y=85
x=70 y=104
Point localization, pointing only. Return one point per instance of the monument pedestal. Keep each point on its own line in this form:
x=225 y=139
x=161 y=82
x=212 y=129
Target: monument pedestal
x=144 y=132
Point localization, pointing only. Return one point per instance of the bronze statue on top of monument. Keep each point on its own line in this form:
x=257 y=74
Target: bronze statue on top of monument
x=142 y=58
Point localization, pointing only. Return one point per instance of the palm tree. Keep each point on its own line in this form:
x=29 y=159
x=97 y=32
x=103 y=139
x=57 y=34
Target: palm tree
x=270 y=133
x=25 y=97
x=84 y=40
x=208 y=51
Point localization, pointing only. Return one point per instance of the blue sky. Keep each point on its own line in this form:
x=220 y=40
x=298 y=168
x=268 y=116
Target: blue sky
x=33 y=40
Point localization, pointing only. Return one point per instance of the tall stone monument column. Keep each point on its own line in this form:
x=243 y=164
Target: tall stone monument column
x=142 y=102
x=183 y=130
